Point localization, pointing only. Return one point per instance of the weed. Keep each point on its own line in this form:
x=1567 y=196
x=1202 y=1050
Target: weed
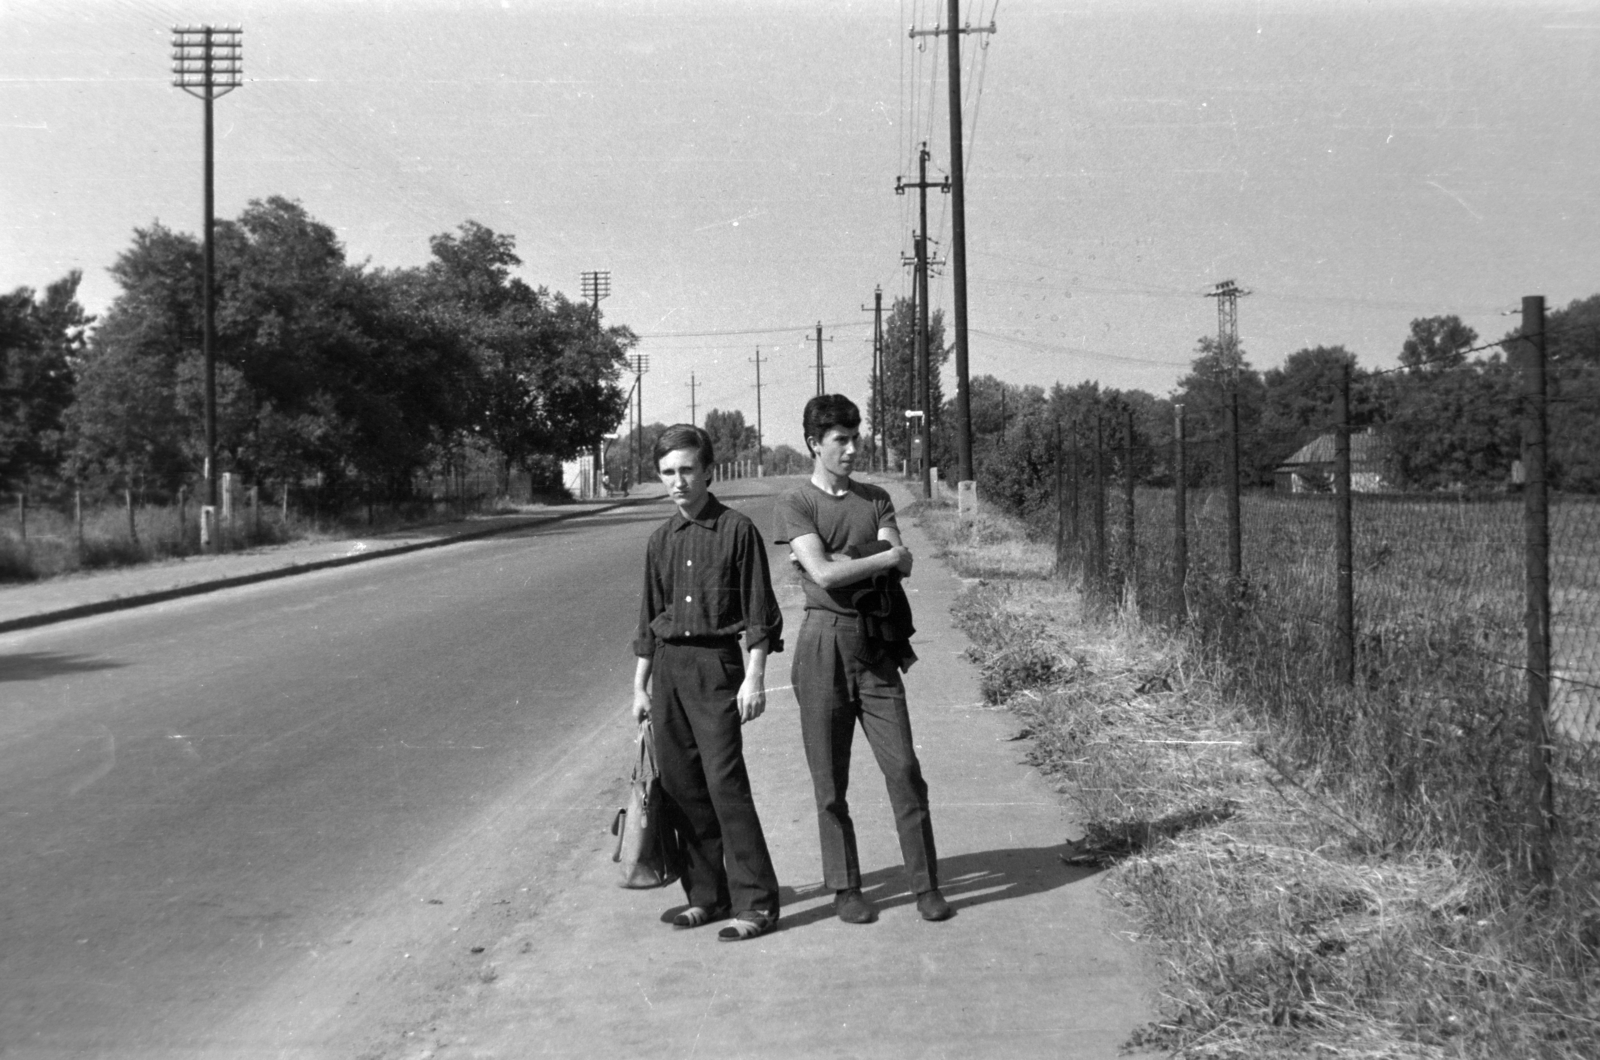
x=1325 y=871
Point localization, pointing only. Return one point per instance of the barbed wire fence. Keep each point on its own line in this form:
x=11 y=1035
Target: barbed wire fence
x=1447 y=641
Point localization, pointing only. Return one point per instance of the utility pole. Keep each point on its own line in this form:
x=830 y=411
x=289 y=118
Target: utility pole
x=760 y=467
x=922 y=185
x=694 y=414
x=958 y=235
x=876 y=408
x=1227 y=294
x=207 y=62
x=821 y=373
x=641 y=365
x=597 y=285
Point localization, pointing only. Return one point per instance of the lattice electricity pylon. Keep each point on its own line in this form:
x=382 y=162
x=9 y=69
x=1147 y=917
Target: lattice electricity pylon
x=1227 y=293
x=207 y=61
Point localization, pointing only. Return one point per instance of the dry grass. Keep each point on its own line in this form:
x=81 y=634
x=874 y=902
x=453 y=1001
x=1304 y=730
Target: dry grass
x=1290 y=915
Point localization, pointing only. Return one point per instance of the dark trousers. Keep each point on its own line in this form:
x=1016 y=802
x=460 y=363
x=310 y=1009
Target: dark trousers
x=840 y=680
x=694 y=711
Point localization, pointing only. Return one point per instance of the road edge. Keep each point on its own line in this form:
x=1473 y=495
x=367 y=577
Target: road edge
x=160 y=596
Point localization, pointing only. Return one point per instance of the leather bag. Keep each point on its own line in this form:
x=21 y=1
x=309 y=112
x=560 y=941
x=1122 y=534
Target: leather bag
x=647 y=847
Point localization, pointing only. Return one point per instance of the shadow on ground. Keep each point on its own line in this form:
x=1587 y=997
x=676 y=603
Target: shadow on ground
x=967 y=880
x=35 y=665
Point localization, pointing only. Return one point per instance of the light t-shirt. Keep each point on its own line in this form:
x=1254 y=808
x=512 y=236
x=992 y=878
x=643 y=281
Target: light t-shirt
x=853 y=518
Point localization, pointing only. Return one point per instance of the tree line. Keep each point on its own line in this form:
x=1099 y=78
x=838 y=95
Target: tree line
x=330 y=375
x=1449 y=414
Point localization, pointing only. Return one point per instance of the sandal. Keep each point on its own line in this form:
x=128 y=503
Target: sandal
x=699 y=915
x=748 y=926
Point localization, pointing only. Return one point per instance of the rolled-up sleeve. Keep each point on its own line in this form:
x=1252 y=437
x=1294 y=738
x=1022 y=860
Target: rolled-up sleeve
x=763 y=616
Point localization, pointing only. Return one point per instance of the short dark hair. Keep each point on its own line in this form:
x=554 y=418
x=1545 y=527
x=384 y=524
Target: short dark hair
x=827 y=411
x=685 y=436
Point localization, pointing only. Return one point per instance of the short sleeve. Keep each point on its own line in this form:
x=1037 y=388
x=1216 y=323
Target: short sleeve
x=791 y=519
x=886 y=519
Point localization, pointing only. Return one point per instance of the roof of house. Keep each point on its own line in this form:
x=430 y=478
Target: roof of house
x=1366 y=447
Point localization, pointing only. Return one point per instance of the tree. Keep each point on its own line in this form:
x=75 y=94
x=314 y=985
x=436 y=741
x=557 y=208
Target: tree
x=1456 y=429
x=39 y=339
x=125 y=422
x=1437 y=344
x=731 y=437
x=547 y=376
x=1572 y=386
x=1299 y=401
x=1205 y=392
x=785 y=460
x=899 y=376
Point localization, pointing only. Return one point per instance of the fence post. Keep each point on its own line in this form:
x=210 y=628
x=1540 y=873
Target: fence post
x=22 y=516
x=183 y=517
x=255 y=511
x=133 y=531
x=1099 y=566
x=1345 y=635
x=1129 y=554
x=1061 y=503
x=285 y=502
x=1230 y=459
x=1536 y=526
x=77 y=516
x=1074 y=489
x=1180 y=515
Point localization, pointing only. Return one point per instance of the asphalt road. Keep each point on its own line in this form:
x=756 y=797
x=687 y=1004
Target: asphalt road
x=239 y=825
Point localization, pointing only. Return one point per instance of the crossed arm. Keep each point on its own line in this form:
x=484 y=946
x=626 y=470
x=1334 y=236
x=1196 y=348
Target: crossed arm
x=833 y=570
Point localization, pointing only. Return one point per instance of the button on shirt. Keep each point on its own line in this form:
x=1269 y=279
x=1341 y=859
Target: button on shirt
x=708 y=577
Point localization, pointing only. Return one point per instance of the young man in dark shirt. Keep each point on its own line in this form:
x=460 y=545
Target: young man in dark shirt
x=705 y=582
x=847 y=662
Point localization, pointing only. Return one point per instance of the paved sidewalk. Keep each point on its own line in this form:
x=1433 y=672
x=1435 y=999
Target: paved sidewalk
x=27 y=605
x=1033 y=964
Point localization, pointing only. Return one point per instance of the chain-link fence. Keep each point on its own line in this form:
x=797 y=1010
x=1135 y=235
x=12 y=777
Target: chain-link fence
x=1445 y=636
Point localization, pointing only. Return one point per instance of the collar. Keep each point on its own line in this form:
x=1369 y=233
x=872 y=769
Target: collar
x=849 y=487
x=707 y=517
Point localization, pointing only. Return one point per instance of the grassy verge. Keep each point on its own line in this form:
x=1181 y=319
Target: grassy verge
x=54 y=547
x=1289 y=916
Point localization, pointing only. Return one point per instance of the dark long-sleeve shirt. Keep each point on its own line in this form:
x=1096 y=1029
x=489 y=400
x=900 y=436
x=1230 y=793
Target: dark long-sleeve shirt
x=708 y=577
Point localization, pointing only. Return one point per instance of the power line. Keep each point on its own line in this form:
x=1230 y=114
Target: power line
x=746 y=331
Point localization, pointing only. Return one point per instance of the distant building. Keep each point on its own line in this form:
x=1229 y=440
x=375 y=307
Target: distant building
x=1310 y=469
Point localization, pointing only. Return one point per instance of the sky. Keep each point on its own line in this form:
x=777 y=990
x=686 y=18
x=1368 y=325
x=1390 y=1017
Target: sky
x=1353 y=165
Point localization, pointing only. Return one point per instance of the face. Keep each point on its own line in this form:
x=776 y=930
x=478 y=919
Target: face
x=684 y=478
x=837 y=450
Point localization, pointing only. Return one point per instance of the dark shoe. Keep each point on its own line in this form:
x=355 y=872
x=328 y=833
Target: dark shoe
x=748 y=926
x=853 y=907
x=698 y=915
x=932 y=906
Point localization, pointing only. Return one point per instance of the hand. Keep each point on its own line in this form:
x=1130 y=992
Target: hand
x=904 y=560
x=752 y=696
x=641 y=705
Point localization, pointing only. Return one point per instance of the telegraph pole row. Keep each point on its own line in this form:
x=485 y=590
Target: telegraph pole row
x=876 y=408
x=958 y=234
x=922 y=185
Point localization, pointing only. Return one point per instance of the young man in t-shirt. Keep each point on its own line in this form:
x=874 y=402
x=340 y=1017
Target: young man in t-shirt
x=846 y=665
x=706 y=582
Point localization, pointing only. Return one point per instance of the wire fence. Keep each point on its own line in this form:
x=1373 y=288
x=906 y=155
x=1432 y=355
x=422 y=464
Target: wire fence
x=1447 y=638
x=44 y=536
